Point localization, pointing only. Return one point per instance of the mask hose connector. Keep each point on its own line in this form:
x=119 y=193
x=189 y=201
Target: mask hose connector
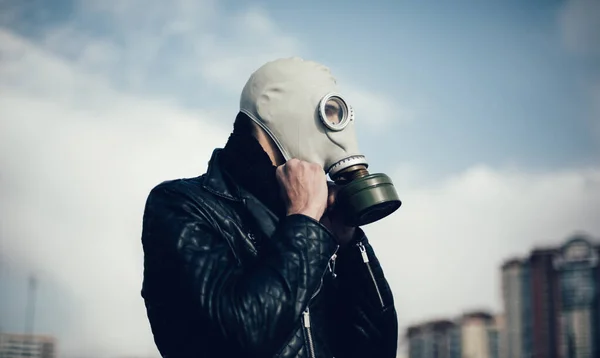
x=352 y=173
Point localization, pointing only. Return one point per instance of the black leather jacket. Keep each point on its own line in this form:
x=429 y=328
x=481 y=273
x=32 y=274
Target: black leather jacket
x=211 y=291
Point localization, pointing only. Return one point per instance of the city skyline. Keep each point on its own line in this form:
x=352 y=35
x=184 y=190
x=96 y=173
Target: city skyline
x=551 y=309
x=485 y=116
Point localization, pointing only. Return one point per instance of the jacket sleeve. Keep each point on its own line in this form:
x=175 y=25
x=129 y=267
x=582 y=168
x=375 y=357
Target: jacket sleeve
x=252 y=309
x=364 y=305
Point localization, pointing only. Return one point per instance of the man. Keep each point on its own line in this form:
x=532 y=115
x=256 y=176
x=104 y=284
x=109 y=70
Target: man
x=252 y=259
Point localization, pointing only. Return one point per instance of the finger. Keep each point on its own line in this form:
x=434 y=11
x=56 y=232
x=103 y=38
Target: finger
x=279 y=172
x=332 y=195
x=290 y=164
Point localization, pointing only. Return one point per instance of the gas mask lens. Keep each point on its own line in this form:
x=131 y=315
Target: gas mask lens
x=334 y=112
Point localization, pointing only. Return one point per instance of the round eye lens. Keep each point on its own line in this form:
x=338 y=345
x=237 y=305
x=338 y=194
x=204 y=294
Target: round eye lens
x=334 y=112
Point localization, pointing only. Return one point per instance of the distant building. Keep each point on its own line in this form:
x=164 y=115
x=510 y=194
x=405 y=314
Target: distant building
x=577 y=267
x=473 y=335
x=512 y=294
x=543 y=301
x=30 y=346
x=550 y=302
x=440 y=339
x=496 y=337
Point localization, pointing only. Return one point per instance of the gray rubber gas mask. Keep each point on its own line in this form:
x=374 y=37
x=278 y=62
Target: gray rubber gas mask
x=297 y=103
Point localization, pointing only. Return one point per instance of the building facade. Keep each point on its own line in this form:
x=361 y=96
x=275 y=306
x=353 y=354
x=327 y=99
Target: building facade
x=544 y=300
x=475 y=335
x=30 y=346
x=577 y=267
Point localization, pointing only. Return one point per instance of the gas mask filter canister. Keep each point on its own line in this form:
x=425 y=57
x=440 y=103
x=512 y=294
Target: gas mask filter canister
x=297 y=103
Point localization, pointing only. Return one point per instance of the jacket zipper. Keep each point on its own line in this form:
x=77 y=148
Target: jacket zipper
x=306 y=320
x=306 y=313
x=365 y=257
x=311 y=345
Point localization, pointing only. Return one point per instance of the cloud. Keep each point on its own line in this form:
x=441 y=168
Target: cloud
x=376 y=111
x=189 y=50
x=137 y=44
x=255 y=39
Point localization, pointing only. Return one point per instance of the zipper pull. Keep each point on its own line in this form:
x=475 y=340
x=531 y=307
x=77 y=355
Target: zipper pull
x=332 y=265
x=363 y=252
x=306 y=318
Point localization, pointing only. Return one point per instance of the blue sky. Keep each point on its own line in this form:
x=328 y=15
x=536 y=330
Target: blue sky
x=485 y=83
x=486 y=115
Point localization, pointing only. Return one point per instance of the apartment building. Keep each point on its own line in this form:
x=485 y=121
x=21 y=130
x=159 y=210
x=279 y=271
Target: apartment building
x=30 y=346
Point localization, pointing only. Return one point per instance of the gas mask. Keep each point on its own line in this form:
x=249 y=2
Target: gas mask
x=297 y=103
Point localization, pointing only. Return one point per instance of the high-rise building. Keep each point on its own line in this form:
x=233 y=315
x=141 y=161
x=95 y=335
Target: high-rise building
x=512 y=292
x=577 y=267
x=24 y=345
x=550 y=302
x=475 y=335
x=542 y=321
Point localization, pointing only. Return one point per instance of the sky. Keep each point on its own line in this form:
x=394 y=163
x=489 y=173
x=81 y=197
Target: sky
x=486 y=116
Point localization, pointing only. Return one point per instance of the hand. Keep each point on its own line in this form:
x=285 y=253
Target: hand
x=304 y=188
x=333 y=218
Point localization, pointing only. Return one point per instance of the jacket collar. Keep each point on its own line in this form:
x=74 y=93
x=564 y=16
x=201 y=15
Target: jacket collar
x=219 y=183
